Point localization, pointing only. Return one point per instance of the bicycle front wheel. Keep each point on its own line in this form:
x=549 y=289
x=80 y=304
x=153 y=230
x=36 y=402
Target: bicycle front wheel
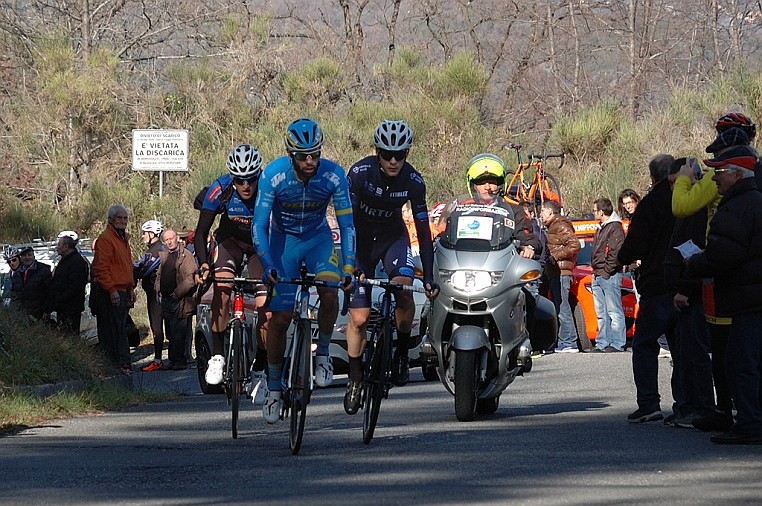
x=300 y=385
x=236 y=356
x=375 y=381
x=550 y=190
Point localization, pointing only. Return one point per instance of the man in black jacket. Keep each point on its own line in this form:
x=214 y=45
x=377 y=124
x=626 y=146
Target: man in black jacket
x=67 y=289
x=733 y=256
x=690 y=355
x=648 y=241
x=30 y=284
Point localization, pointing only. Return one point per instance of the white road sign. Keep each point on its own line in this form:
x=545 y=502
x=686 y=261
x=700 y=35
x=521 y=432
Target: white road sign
x=162 y=150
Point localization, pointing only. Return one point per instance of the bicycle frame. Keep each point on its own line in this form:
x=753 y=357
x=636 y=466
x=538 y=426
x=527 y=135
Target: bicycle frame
x=539 y=190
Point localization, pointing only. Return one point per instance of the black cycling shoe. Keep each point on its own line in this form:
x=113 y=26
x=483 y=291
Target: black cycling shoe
x=352 y=397
x=400 y=370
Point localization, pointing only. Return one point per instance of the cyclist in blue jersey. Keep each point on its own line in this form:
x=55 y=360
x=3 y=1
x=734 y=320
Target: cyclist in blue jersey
x=380 y=185
x=233 y=196
x=294 y=193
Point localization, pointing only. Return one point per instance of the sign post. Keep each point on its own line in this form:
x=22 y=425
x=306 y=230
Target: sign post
x=160 y=150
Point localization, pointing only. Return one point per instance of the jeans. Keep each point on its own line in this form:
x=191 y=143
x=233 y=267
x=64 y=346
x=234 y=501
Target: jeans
x=742 y=366
x=656 y=316
x=176 y=328
x=607 y=298
x=692 y=361
x=567 y=333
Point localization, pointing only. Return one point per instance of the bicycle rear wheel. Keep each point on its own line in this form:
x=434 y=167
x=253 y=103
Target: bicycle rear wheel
x=375 y=380
x=549 y=190
x=300 y=385
x=236 y=356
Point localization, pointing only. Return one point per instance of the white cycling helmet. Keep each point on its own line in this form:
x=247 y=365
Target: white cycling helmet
x=69 y=233
x=153 y=226
x=393 y=135
x=10 y=252
x=244 y=162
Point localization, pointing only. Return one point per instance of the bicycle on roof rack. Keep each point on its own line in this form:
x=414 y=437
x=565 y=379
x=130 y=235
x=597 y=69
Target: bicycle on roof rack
x=543 y=186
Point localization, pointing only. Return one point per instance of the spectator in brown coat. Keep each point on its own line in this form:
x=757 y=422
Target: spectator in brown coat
x=175 y=283
x=562 y=247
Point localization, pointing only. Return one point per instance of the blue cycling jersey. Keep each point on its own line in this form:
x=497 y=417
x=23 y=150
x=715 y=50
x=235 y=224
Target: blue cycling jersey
x=295 y=207
x=236 y=213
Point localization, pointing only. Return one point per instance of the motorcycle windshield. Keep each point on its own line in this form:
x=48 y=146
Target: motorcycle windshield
x=478 y=227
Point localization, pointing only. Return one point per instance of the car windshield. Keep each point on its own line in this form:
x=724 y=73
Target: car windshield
x=584 y=255
x=478 y=227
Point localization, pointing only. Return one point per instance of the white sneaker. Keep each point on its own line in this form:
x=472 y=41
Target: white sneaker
x=271 y=406
x=214 y=370
x=323 y=370
x=258 y=381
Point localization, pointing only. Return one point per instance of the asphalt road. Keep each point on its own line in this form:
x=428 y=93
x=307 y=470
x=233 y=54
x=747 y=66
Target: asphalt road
x=559 y=437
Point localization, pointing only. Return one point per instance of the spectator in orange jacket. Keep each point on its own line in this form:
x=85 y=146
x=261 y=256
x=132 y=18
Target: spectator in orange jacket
x=113 y=274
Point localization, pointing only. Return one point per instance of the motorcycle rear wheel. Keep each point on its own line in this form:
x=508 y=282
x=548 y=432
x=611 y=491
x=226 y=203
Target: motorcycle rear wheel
x=466 y=384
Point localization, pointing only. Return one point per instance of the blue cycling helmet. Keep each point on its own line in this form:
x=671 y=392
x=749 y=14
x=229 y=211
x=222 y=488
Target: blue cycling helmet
x=303 y=136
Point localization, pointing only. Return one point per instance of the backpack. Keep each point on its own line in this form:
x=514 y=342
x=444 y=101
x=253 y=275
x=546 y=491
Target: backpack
x=225 y=196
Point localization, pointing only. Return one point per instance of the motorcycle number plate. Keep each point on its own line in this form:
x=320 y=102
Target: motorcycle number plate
x=475 y=227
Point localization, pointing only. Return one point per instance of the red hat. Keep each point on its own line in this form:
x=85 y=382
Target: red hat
x=743 y=156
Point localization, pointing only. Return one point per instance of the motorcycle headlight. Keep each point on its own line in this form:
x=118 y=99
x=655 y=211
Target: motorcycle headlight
x=470 y=281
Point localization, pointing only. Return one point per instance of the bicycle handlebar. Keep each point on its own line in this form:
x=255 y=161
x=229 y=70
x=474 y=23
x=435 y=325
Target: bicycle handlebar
x=391 y=285
x=309 y=280
x=561 y=155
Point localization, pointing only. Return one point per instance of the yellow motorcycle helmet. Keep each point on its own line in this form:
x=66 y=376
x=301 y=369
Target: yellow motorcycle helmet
x=485 y=165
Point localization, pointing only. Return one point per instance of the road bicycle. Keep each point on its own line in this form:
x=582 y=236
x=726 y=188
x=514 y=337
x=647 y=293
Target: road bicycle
x=543 y=185
x=297 y=380
x=378 y=356
x=240 y=345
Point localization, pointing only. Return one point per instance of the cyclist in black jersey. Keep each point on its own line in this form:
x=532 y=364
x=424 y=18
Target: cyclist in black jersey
x=233 y=196
x=379 y=186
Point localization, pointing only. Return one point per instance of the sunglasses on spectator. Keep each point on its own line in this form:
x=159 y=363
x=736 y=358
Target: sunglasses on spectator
x=241 y=181
x=302 y=157
x=388 y=155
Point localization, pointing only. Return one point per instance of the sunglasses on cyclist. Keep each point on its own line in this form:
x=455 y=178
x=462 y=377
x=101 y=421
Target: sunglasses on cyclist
x=301 y=157
x=241 y=181
x=388 y=155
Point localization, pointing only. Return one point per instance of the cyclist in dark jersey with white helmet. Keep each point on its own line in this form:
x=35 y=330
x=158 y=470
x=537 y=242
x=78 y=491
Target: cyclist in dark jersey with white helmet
x=233 y=196
x=379 y=186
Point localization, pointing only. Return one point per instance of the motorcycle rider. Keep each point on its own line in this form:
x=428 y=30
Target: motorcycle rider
x=380 y=186
x=485 y=178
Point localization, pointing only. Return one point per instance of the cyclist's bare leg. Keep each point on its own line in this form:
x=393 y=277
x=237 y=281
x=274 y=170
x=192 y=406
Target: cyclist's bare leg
x=256 y=271
x=404 y=305
x=329 y=308
x=220 y=311
x=356 y=329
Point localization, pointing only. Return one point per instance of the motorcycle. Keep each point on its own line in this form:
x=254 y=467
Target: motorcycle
x=478 y=337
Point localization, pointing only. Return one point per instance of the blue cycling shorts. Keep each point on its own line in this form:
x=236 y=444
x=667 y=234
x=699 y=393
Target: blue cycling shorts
x=288 y=253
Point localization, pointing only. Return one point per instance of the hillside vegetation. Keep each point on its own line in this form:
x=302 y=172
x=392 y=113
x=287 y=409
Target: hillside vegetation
x=72 y=96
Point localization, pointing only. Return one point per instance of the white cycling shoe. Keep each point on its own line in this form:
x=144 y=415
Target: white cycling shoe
x=258 y=387
x=214 y=370
x=272 y=405
x=323 y=370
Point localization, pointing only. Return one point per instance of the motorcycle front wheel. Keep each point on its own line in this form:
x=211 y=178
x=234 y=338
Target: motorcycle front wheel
x=466 y=384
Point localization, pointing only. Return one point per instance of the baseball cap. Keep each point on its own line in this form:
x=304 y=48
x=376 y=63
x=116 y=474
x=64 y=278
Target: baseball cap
x=743 y=156
x=733 y=136
x=25 y=249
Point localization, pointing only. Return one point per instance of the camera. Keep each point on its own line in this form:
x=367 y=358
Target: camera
x=697 y=173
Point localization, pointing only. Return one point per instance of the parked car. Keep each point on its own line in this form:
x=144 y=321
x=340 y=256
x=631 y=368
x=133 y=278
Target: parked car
x=581 y=293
